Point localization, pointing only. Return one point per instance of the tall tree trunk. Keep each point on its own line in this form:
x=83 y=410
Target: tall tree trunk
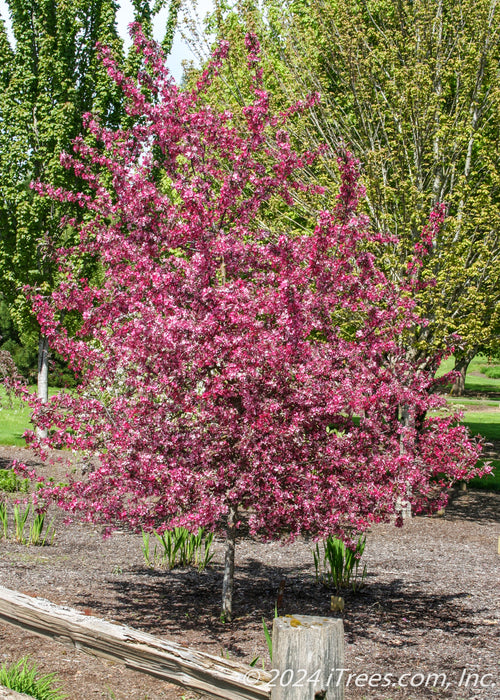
x=43 y=376
x=228 y=582
x=461 y=366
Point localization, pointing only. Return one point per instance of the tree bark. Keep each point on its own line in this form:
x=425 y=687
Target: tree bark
x=228 y=582
x=461 y=366
x=403 y=504
x=43 y=376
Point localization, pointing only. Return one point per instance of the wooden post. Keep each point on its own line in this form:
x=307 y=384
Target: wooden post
x=308 y=658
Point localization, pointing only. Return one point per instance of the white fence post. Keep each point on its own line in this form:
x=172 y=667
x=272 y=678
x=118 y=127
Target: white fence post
x=308 y=658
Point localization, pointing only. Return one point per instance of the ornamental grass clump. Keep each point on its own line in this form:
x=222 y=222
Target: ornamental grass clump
x=23 y=677
x=20 y=515
x=4 y=520
x=338 y=566
x=36 y=532
x=232 y=371
x=179 y=547
x=41 y=534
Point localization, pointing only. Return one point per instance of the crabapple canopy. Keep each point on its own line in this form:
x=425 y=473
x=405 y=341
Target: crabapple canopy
x=225 y=366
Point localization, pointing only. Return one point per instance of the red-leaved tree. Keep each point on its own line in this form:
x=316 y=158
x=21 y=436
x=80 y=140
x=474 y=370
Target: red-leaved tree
x=227 y=371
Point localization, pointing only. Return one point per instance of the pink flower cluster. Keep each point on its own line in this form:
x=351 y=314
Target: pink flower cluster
x=222 y=362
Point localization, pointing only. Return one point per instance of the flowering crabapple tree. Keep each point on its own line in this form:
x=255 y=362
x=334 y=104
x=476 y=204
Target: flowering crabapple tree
x=231 y=373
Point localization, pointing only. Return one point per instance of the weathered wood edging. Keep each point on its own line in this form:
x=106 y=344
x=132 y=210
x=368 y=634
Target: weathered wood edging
x=175 y=663
x=8 y=694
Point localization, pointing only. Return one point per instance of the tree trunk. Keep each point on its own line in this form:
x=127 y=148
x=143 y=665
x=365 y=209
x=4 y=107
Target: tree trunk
x=43 y=376
x=228 y=582
x=403 y=505
x=461 y=366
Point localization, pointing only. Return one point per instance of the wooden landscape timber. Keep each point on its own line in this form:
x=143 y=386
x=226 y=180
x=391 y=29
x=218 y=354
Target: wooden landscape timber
x=8 y=694
x=307 y=651
x=175 y=663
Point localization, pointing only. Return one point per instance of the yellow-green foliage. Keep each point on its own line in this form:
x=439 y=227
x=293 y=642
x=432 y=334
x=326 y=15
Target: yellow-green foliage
x=413 y=89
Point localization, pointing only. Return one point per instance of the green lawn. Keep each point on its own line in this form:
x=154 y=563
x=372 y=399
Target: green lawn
x=481 y=384
x=467 y=402
x=14 y=421
x=485 y=423
x=491 y=482
x=15 y=418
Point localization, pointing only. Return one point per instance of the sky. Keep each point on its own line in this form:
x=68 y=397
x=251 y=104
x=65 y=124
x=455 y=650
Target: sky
x=180 y=50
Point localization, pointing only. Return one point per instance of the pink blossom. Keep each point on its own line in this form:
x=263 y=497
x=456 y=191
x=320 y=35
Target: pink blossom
x=222 y=363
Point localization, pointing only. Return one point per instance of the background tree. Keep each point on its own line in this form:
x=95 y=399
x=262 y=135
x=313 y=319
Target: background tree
x=413 y=89
x=230 y=371
x=50 y=77
x=144 y=13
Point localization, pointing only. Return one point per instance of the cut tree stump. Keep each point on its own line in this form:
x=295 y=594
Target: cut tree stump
x=308 y=658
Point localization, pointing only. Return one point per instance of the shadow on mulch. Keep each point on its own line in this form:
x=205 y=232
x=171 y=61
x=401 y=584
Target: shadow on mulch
x=6 y=463
x=473 y=505
x=486 y=395
x=389 y=613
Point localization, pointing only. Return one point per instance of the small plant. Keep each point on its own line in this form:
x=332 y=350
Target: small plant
x=10 y=482
x=269 y=639
x=36 y=531
x=268 y=634
x=36 y=535
x=337 y=566
x=23 y=678
x=145 y=548
x=20 y=518
x=179 y=547
x=4 y=522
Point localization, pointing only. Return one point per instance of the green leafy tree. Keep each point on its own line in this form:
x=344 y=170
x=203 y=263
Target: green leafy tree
x=49 y=78
x=145 y=12
x=413 y=89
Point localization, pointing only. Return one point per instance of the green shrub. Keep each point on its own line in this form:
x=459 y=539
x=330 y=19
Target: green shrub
x=10 y=482
x=491 y=371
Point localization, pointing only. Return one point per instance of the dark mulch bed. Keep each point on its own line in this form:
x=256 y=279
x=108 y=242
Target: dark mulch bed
x=431 y=603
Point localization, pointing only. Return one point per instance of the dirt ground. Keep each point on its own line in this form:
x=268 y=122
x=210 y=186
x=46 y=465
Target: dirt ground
x=431 y=604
